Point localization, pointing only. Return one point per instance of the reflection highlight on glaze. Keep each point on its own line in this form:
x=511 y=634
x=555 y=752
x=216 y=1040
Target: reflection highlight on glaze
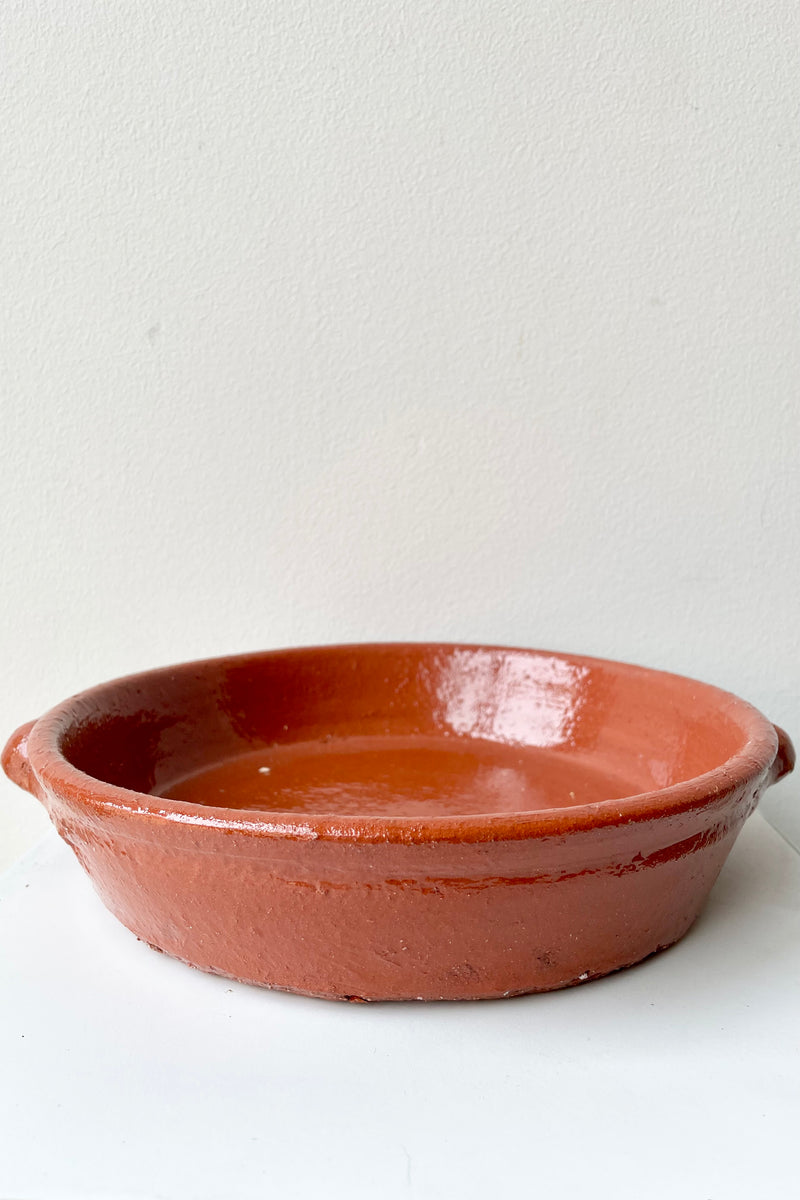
x=517 y=699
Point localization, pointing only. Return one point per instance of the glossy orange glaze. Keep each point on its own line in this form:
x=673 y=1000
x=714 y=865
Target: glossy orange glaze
x=409 y=776
x=399 y=821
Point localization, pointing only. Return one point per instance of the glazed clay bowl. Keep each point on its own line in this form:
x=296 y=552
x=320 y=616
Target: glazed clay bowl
x=402 y=821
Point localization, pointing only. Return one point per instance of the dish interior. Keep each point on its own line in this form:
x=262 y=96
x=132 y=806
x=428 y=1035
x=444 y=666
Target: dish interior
x=398 y=776
x=400 y=731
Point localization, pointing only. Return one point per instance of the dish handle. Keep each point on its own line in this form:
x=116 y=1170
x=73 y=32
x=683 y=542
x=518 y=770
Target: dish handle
x=784 y=759
x=15 y=761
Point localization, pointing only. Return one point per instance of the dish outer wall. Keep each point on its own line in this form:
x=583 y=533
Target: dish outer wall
x=449 y=908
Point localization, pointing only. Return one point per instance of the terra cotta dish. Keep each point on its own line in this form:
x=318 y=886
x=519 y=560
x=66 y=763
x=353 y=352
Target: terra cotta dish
x=402 y=821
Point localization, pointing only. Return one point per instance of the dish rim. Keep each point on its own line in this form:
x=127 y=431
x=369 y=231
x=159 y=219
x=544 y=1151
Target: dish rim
x=756 y=756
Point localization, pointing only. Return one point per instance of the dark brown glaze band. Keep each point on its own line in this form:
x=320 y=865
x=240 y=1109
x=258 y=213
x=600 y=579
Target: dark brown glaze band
x=359 y=863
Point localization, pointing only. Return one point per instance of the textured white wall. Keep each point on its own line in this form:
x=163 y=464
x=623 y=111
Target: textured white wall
x=430 y=319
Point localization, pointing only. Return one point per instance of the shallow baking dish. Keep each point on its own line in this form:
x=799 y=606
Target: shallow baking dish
x=402 y=821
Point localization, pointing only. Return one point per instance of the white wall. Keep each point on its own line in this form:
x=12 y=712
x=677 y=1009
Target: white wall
x=372 y=319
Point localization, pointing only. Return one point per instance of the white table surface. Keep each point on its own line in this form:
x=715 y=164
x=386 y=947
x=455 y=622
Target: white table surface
x=126 y=1074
